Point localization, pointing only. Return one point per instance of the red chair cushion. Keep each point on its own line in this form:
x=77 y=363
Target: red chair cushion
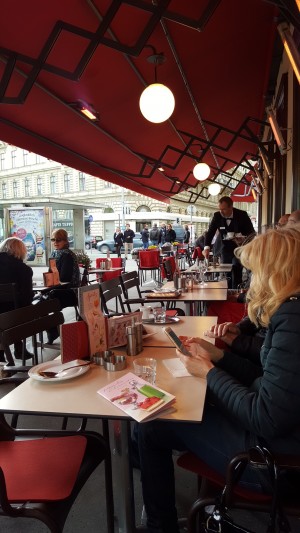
x=197 y=253
x=226 y=312
x=149 y=259
x=41 y=469
x=113 y=274
x=192 y=463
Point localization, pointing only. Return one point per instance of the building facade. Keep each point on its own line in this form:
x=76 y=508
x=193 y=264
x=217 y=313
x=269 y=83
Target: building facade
x=29 y=180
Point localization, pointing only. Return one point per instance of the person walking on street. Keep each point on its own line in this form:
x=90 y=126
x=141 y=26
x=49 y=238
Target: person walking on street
x=233 y=226
x=128 y=240
x=162 y=234
x=187 y=235
x=154 y=235
x=118 y=238
x=145 y=237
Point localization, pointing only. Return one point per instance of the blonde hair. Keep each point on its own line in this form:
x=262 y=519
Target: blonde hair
x=60 y=234
x=14 y=246
x=273 y=259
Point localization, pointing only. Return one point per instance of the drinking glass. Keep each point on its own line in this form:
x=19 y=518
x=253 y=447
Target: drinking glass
x=159 y=315
x=145 y=368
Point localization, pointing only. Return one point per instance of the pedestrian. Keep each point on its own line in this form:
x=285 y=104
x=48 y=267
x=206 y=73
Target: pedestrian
x=170 y=234
x=162 y=234
x=154 y=235
x=145 y=237
x=233 y=225
x=128 y=240
x=187 y=235
x=118 y=238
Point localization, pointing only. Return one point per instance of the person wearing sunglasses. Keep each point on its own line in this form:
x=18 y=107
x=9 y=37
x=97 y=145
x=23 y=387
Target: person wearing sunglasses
x=67 y=266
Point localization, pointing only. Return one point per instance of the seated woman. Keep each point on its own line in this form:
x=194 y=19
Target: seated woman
x=13 y=252
x=246 y=404
x=67 y=266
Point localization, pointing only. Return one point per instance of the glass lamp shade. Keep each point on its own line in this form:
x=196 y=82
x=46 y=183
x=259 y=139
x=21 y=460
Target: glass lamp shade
x=157 y=103
x=201 y=171
x=214 y=189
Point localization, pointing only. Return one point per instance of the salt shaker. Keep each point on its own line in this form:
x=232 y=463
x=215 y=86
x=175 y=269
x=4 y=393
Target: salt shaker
x=139 y=337
x=131 y=332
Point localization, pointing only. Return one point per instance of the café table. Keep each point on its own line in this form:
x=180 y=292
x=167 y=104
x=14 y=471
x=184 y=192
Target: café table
x=222 y=268
x=79 y=398
x=40 y=287
x=190 y=326
x=210 y=291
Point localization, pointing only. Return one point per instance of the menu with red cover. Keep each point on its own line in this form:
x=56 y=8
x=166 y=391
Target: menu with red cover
x=74 y=341
x=136 y=397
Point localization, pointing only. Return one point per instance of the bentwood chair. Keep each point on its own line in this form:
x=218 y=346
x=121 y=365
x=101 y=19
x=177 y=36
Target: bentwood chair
x=210 y=484
x=27 y=321
x=111 y=290
x=42 y=473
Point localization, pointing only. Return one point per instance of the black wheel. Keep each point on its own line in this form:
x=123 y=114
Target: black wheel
x=104 y=248
x=87 y=246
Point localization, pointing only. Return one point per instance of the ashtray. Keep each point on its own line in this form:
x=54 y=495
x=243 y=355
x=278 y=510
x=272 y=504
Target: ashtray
x=113 y=362
x=98 y=357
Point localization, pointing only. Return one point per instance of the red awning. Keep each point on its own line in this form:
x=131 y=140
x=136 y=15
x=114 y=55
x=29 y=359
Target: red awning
x=218 y=57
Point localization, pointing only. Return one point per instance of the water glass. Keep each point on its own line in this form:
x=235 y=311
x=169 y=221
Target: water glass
x=145 y=368
x=159 y=315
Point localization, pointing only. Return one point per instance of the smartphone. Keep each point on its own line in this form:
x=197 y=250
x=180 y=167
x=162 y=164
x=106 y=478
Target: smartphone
x=176 y=341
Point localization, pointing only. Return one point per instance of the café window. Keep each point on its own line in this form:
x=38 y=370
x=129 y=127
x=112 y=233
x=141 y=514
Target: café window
x=15 y=189
x=4 y=190
x=67 y=182
x=39 y=186
x=27 y=187
x=81 y=181
x=52 y=184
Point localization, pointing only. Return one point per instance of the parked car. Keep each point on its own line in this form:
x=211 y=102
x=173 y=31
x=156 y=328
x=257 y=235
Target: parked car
x=91 y=242
x=109 y=244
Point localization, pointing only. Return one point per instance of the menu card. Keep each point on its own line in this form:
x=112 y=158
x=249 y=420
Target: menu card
x=136 y=397
x=90 y=312
x=116 y=328
x=51 y=277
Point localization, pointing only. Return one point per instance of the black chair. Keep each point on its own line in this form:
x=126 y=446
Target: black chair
x=9 y=300
x=31 y=320
x=210 y=484
x=42 y=472
x=111 y=290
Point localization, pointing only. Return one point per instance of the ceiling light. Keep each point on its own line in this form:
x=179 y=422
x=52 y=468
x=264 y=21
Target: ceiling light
x=214 y=189
x=290 y=47
x=161 y=169
x=157 y=101
x=201 y=171
x=276 y=130
x=87 y=110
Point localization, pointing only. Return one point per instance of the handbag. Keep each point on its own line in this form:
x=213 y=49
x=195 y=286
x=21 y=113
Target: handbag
x=221 y=522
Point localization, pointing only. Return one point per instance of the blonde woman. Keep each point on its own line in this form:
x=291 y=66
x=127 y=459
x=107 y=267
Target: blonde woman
x=251 y=404
x=13 y=270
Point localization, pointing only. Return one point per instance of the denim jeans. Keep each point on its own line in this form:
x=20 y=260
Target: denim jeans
x=215 y=440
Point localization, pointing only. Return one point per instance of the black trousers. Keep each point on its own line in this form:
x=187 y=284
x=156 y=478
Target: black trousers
x=227 y=256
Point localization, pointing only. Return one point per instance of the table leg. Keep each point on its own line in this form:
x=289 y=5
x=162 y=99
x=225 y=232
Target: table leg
x=122 y=474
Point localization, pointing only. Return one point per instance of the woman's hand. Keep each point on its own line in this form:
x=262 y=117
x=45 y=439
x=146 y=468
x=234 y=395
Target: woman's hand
x=195 y=364
x=201 y=348
x=227 y=332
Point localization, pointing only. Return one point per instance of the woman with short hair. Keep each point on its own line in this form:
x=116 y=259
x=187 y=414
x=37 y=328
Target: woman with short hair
x=13 y=253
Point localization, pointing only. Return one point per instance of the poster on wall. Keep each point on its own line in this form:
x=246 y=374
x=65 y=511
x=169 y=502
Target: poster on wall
x=28 y=224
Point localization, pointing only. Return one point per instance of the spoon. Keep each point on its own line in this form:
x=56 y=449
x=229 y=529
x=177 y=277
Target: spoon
x=49 y=374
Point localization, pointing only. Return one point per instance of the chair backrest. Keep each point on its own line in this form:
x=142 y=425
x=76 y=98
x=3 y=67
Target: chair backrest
x=8 y=297
x=82 y=277
x=149 y=259
x=169 y=267
x=110 y=290
x=130 y=280
x=197 y=253
x=20 y=323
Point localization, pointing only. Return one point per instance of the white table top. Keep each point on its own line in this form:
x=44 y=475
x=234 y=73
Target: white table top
x=190 y=326
x=210 y=292
x=78 y=397
x=225 y=267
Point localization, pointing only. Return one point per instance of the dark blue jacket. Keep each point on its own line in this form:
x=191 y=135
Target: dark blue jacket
x=265 y=402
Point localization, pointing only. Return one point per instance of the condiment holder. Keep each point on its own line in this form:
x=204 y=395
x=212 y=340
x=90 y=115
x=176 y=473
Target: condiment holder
x=113 y=362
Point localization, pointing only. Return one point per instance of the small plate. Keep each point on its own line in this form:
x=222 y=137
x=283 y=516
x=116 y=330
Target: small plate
x=169 y=320
x=55 y=366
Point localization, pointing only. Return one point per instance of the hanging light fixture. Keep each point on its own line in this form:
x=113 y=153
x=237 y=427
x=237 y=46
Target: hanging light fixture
x=214 y=189
x=201 y=171
x=157 y=101
x=290 y=47
x=276 y=130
